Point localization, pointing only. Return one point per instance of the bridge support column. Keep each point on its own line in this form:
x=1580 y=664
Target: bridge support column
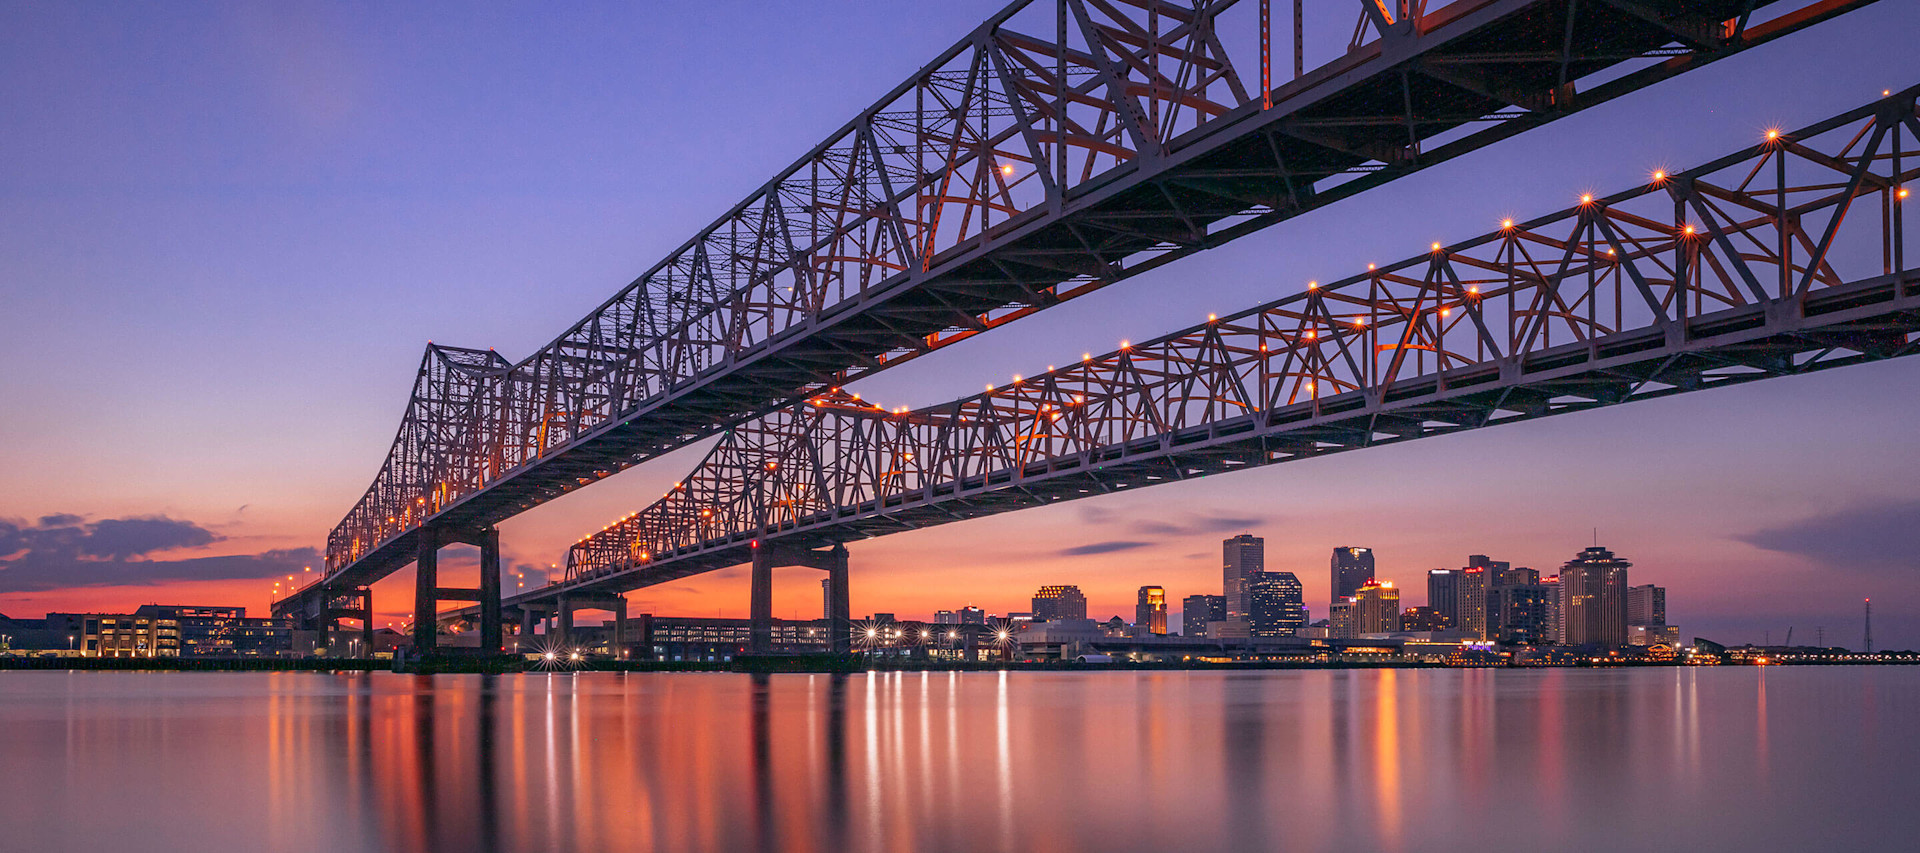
x=366 y=625
x=563 y=619
x=491 y=641
x=350 y=604
x=839 y=612
x=761 y=608
x=426 y=593
x=839 y=603
x=617 y=647
x=526 y=626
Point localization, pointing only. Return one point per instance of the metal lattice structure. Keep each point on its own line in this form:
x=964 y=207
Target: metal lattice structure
x=1782 y=259
x=1059 y=147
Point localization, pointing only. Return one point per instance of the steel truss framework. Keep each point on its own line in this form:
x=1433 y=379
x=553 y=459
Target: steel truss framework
x=1782 y=259
x=1063 y=145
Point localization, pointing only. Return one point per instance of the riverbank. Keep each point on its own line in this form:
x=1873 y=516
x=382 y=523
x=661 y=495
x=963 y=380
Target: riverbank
x=509 y=667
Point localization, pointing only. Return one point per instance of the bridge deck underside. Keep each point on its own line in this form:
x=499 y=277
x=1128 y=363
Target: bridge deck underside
x=1859 y=322
x=1352 y=122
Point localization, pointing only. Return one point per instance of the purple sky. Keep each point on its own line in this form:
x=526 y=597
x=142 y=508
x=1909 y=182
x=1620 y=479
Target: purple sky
x=231 y=227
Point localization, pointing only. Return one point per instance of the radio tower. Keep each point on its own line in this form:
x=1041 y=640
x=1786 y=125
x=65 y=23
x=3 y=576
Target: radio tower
x=1869 y=626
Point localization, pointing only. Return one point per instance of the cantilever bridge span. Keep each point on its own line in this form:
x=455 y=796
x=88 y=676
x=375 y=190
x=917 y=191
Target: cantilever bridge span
x=1787 y=258
x=1059 y=147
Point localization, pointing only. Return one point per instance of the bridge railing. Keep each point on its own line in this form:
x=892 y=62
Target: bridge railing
x=1797 y=212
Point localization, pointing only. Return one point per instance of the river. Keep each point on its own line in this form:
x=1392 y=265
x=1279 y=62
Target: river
x=1814 y=758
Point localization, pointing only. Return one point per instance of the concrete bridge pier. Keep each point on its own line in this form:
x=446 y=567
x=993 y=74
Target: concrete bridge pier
x=527 y=623
x=426 y=601
x=428 y=593
x=352 y=604
x=492 y=635
x=567 y=604
x=839 y=610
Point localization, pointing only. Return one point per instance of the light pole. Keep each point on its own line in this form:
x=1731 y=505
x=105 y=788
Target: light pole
x=73 y=643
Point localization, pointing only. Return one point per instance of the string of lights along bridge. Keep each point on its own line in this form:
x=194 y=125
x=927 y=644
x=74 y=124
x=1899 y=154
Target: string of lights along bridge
x=1059 y=147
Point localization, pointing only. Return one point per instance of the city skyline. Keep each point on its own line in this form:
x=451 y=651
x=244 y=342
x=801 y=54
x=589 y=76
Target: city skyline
x=189 y=499
x=987 y=425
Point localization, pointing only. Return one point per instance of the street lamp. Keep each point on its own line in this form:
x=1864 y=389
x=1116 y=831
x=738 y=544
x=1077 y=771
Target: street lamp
x=73 y=643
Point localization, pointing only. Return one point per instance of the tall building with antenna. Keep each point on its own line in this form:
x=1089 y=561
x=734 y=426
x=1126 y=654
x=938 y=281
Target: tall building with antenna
x=1869 y=605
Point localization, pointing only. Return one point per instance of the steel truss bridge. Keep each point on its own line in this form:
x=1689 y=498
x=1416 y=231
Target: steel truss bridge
x=1012 y=173
x=1783 y=259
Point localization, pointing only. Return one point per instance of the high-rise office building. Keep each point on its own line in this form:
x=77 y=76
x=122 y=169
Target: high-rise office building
x=1376 y=608
x=1151 y=611
x=1471 y=613
x=1197 y=611
x=1240 y=556
x=1593 y=598
x=1055 y=603
x=1556 y=625
x=971 y=615
x=1517 y=614
x=1646 y=605
x=1352 y=567
x=1647 y=617
x=1277 y=605
x=945 y=617
x=1443 y=593
x=1342 y=620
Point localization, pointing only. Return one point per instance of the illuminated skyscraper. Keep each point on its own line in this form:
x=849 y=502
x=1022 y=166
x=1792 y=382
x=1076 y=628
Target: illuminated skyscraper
x=1594 y=598
x=1151 y=611
x=1055 y=603
x=1443 y=593
x=1342 y=620
x=1471 y=613
x=1647 y=605
x=1647 y=617
x=971 y=615
x=1376 y=608
x=1199 y=610
x=1352 y=567
x=1240 y=556
x=1556 y=625
x=1517 y=614
x=1277 y=607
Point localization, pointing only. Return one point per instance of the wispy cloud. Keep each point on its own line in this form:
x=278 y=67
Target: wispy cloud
x=1171 y=524
x=1101 y=548
x=64 y=551
x=1874 y=539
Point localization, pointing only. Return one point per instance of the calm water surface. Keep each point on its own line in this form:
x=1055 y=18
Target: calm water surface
x=1656 y=759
